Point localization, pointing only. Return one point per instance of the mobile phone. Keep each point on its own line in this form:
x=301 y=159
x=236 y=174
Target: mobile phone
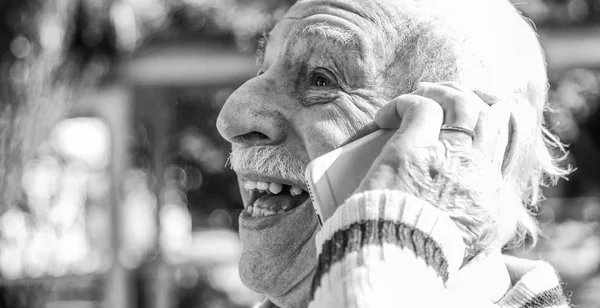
x=333 y=177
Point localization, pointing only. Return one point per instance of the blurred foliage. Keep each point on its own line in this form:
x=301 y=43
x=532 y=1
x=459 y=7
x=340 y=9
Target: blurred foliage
x=53 y=51
x=561 y=13
x=575 y=118
x=197 y=146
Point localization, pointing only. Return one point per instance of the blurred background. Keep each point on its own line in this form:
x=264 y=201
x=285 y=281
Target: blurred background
x=114 y=190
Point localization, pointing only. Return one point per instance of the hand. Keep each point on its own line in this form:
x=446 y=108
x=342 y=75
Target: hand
x=457 y=172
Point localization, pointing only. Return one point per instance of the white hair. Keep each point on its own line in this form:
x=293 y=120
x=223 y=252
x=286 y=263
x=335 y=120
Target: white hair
x=487 y=45
x=276 y=161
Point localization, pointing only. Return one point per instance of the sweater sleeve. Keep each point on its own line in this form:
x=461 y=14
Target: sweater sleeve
x=386 y=248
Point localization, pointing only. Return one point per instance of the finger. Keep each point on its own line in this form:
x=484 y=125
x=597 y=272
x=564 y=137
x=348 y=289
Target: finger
x=461 y=109
x=417 y=118
x=387 y=117
x=491 y=132
x=487 y=98
x=492 y=129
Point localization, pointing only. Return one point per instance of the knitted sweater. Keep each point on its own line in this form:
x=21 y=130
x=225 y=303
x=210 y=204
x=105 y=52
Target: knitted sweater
x=390 y=249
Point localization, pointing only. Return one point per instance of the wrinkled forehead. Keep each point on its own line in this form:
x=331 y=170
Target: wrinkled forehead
x=356 y=12
x=378 y=19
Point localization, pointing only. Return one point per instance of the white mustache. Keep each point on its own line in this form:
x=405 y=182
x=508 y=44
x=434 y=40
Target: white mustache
x=275 y=161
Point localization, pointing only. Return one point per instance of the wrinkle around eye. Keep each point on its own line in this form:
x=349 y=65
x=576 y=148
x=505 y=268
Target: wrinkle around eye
x=319 y=97
x=347 y=117
x=358 y=107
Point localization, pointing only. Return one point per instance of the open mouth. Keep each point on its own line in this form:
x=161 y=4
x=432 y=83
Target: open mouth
x=268 y=198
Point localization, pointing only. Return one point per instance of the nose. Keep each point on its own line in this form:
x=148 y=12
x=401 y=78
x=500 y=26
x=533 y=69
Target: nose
x=251 y=116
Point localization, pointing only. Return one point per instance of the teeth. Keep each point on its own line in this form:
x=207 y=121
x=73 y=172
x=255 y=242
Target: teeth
x=295 y=191
x=262 y=185
x=250 y=209
x=249 y=185
x=261 y=212
x=275 y=188
x=268 y=212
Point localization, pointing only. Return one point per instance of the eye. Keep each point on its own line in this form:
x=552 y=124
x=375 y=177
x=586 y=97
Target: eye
x=320 y=80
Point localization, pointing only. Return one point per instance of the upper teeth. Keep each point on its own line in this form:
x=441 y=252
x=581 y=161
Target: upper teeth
x=274 y=188
x=262 y=185
x=294 y=191
x=249 y=185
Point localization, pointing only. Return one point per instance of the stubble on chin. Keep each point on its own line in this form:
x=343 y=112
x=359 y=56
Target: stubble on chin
x=280 y=261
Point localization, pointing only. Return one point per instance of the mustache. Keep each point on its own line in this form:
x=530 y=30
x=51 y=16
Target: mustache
x=276 y=161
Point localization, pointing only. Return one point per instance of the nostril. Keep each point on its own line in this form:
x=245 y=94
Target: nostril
x=251 y=137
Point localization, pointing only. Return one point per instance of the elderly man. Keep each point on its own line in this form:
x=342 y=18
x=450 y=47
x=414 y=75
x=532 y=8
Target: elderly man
x=464 y=84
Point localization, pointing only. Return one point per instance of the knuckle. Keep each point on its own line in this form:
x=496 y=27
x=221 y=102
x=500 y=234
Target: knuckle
x=423 y=87
x=456 y=99
x=430 y=106
x=406 y=100
x=417 y=104
x=462 y=106
x=455 y=85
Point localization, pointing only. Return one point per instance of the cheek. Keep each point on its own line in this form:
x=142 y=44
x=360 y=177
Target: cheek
x=324 y=128
x=323 y=136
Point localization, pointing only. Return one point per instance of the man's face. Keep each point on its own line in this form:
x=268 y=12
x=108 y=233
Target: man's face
x=324 y=72
x=322 y=77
